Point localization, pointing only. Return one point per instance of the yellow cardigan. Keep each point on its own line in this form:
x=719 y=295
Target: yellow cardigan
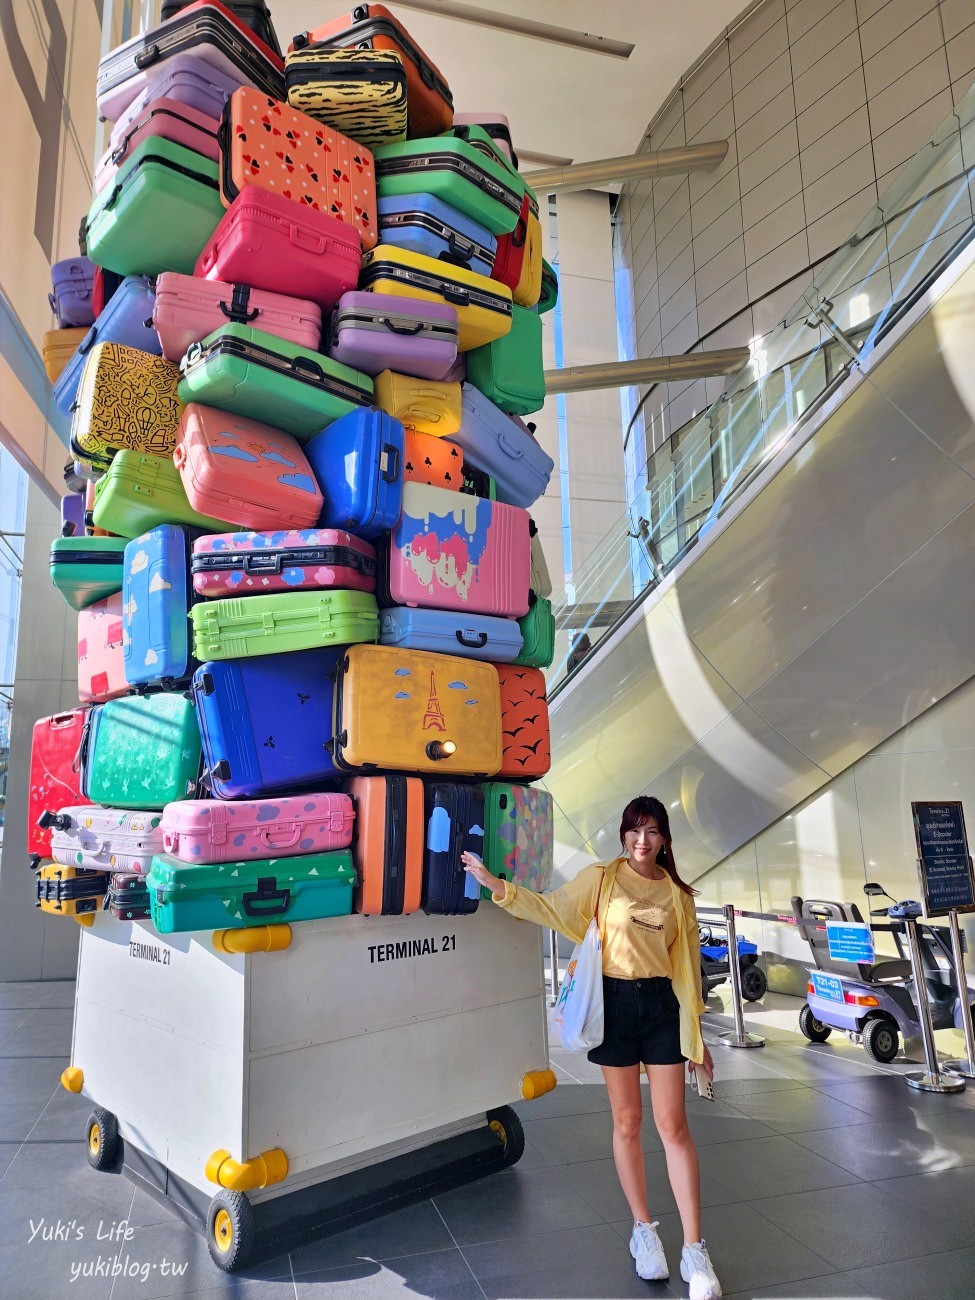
x=570 y=909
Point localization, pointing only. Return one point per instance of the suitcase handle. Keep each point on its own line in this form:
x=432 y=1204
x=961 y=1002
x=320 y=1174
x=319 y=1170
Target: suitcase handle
x=287 y=835
x=459 y=297
x=458 y=254
x=305 y=363
x=179 y=456
x=88 y=342
x=509 y=448
x=402 y=329
x=147 y=56
x=519 y=234
x=237 y=311
x=266 y=899
x=475 y=640
x=389 y=463
x=311 y=243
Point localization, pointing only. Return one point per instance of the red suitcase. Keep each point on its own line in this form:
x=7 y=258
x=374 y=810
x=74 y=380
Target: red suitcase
x=55 y=775
x=525 y=739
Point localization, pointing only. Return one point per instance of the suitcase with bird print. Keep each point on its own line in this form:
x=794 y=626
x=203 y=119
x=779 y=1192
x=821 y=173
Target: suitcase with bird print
x=524 y=723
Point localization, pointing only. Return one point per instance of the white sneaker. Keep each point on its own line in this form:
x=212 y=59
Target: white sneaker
x=646 y=1249
x=698 y=1272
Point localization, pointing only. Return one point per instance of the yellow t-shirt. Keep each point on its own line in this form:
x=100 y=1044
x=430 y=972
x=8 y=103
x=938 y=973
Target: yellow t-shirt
x=640 y=927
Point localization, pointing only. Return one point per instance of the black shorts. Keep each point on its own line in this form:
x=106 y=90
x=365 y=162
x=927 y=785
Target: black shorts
x=642 y=1019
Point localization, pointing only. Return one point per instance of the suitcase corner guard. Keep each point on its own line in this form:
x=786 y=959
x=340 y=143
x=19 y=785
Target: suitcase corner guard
x=262 y=1171
x=536 y=1083
x=73 y=1078
x=256 y=938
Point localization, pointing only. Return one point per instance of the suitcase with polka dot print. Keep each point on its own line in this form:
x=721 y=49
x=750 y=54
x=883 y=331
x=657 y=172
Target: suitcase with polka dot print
x=215 y=830
x=106 y=839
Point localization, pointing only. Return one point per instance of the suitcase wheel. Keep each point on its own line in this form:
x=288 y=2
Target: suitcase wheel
x=230 y=1230
x=506 y=1124
x=102 y=1139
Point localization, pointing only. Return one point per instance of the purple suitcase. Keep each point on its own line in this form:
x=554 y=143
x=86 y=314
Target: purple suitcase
x=73 y=515
x=187 y=79
x=70 y=301
x=373 y=332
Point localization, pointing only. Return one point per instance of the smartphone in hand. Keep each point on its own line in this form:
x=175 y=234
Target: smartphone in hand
x=701 y=1083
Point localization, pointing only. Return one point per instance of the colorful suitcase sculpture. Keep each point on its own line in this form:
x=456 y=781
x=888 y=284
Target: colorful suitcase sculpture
x=538 y=634
x=274 y=244
x=388 y=846
x=444 y=631
x=57 y=349
x=509 y=371
x=548 y=294
x=519 y=836
x=205 y=29
x=244 y=472
x=266 y=723
x=73 y=518
x=272 y=146
x=437 y=462
x=407 y=710
x=478 y=484
x=494 y=125
x=215 y=830
x=240 y=369
x=373 y=332
x=422 y=223
x=71 y=281
x=232 y=895
x=541 y=582
x=185 y=79
x=101 y=655
x=125 y=320
x=524 y=723
x=358 y=462
x=361 y=93
x=141 y=752
x=454 y=551
x=86 y=569
x=66 y=891
x=495 y=444
x=141 y=492
x=307 y=559
x=420 y=404
x=373 y=27
x=165 y=118
x=455 y=825
x=483 y=305
x=54 y=781
x=158 y=214
x=282 y=623
x=127 y=400
x=252 y=13
x=106 y=839
x=187 y=309
x=155 y=602
x=127 y=897
x=471 y=182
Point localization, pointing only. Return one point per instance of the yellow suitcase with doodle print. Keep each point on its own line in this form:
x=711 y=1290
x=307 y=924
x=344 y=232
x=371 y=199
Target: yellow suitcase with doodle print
x=361 y=93
x=126 y=402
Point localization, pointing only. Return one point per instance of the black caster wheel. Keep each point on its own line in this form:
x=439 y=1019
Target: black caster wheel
x=812 y=1028
x=102 y=1140
x=881 y=1040
x=754 y=983
x=507 y=1125
x=230 y=1230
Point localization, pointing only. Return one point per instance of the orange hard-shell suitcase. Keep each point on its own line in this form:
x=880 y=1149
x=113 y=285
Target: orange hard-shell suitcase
x=437 y=462
x=524 y=723
x=387 y=847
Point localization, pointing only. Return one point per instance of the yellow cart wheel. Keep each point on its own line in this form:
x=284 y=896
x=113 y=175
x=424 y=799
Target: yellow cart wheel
x=506 y=1124
x=102 y=1140
x=230 y=1230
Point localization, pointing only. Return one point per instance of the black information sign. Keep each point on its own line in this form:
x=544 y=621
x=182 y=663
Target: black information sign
x=944 y=862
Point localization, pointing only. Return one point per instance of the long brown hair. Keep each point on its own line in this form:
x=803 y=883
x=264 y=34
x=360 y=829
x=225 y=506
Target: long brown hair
x=637 y=813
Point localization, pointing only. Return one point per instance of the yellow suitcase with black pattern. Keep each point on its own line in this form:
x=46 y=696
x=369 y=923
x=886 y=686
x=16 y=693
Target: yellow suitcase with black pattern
x=69 y=891
x=361 y=93
x=126 y=402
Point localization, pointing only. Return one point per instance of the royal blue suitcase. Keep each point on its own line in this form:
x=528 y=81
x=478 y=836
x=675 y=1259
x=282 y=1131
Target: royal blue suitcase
x=428 y=225
x=452 y=632
x=156 y=594
x=358 y=462
x=127 y=319
x=266 y=722
x=455 y=825
x=493 y=442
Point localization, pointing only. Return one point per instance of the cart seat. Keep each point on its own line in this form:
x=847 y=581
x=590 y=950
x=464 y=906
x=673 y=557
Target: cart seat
x=891 y=968
x=813 y=914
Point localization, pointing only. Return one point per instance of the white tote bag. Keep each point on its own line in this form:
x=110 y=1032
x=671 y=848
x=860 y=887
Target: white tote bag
x=578 y=1014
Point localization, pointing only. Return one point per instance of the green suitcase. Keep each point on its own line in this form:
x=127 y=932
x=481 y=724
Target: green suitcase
x=282 y=622
x=243 y=370
x=550 y=289
x=140 y=492
x=141 y=751
x=538 y=634
x=231 y=895
x=84 y=569
x=519 y=835
x=510 y=371
x=472 y=182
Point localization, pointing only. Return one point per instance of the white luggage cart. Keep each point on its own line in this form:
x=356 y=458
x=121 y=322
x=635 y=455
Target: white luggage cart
x=269 y=1095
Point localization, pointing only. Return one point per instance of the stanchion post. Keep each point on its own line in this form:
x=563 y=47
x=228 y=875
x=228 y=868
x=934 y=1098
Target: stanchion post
x=553 y=956
x=966 y=1065
x=931 y=1079
x=737 y=1037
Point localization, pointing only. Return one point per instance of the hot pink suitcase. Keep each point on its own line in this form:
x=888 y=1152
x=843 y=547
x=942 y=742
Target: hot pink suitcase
x=301 y=559
x=188 y=309
x=453 y=551
x=244 y=472
x=271 y=242
x=215 y=830
x=165 y=118
x=101 y=662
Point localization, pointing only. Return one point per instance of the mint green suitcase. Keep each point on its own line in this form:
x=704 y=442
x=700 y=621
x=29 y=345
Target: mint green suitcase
x=510 y=371
x=537 y=633
x=282 y=622
x=85 y=569
x=141 y=751
x=141 y=492
x=472 y=182
x=231 y=895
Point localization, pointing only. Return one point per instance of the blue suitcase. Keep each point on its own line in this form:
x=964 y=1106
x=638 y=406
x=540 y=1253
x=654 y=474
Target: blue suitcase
x=266 y=722
x=155 y=603
x=428 y=225
x=495 y=443
x=358 y=462
x=454 y=825
x=127 y=319
x=452 y=632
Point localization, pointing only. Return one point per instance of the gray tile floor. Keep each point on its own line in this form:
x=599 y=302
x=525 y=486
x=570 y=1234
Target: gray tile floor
x=822 y=1176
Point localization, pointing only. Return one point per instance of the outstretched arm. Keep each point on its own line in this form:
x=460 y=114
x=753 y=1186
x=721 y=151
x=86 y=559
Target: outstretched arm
x=568 y=910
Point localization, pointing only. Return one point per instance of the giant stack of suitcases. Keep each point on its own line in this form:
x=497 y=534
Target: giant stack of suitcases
x=313 y=613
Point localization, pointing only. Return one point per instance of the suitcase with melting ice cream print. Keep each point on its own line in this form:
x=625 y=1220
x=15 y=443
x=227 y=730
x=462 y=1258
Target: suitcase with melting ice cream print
x=253 y=564
x=518 y=835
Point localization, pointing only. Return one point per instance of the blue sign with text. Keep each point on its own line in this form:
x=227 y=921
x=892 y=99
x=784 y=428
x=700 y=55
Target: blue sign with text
x=850 y=942
x=829 y=987
x=942 y=850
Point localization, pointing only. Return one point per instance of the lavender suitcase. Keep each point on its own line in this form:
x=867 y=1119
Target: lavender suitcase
x=73 y=515
x=213 y=830
x=161 y=117
x=494 y=443
x=187 y=79
x=127 y=319
x=373 y=332
x=70 y=300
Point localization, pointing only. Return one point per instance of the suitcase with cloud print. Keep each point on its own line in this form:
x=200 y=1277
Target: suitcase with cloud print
x=218 y=830
x=140 y=492
x=106 y=839
x=388 y=846
x=101 y=653
x=155 y=604
x=524 y=723
x=126 y=401
x=519 y=835
x=361 y=93
x=358 y=462
x=445 y=631
x=141 y=752
x=54 y=780
x=437 y=462
x=127 y=320
x=246 y=564
x=420 y=404
x=282 y=623
x=455 y=825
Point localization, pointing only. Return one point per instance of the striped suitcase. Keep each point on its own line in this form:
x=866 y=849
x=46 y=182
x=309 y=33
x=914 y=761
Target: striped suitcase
x=388 y=846
x=361 y=93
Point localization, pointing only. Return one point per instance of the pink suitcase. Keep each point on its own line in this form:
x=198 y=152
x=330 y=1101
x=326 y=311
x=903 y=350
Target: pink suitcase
x=101 y=663
x=301 y=559
x=271 y=242
x=497 y=127
x=454 y=551
x=215 y=830
x=188 y=309
x=168 y=119
x=244 y=472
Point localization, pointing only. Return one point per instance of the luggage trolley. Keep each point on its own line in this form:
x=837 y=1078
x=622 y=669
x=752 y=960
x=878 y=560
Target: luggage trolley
x=275 y=1083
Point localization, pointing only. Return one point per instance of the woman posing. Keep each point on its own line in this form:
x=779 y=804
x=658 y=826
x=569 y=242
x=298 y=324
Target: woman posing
x=652 y=996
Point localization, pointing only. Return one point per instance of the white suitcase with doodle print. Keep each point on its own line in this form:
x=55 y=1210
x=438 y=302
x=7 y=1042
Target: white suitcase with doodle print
x=106 y=839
